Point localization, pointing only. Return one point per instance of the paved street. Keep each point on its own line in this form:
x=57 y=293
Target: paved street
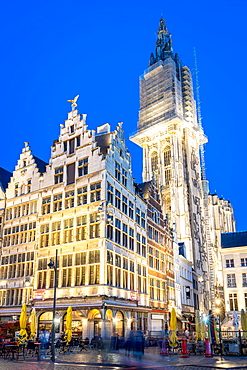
x=95 y=360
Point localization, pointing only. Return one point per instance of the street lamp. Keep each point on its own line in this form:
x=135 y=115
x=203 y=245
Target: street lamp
x=53 y=266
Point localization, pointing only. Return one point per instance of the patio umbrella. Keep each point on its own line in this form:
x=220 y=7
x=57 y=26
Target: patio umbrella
x=198 y=326
x=68 y=333
x=211 y=331
x=173 y=327
x=203 y=327
x=235 y=321
x=33 y=324
x=244 y=323
x=23 y=323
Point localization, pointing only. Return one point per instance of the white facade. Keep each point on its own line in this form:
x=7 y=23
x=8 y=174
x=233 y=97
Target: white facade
x=234 y=263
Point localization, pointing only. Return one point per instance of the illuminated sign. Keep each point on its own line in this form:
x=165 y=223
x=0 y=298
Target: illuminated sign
x=39 y=294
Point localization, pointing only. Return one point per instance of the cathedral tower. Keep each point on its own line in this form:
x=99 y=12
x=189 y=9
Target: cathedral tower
x=170 y=135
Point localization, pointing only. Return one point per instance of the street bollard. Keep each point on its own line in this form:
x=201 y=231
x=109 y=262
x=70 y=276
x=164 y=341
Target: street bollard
x=184 y=353
x=208 y=348
x=164 y=349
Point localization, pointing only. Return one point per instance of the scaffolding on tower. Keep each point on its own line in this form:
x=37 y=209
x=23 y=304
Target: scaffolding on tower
x=205 y=190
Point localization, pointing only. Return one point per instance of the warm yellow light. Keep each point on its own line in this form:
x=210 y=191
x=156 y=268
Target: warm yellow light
x=217 y=310
x=217 y=301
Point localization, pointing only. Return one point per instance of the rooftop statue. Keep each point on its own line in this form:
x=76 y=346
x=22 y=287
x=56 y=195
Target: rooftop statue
x=74 y=105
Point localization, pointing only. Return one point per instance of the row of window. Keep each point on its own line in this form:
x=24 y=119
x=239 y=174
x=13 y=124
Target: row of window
x=230 y=262
x=22 y=210
x=81 y=275
x=14 y=297
x=122 y=203
x=23 y=188
x=123 y=235
x=82 y=170
x=21 y=257
x=22 y=227
x=72 y=198
x=155 y=235
x=16 y=270
x=68 y=260
x=121 y=174
x=231 y=280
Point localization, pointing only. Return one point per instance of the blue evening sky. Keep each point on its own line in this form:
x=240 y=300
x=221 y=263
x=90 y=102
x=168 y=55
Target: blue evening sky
x=54 y=50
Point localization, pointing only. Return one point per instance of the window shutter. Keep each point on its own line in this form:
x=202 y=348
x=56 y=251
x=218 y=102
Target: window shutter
x=70 y=173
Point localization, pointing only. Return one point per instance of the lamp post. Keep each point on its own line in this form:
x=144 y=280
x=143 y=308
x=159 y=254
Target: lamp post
x=218 y=312
x=53 y=265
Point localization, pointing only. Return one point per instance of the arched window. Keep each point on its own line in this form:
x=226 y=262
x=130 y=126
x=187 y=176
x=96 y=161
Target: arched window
x=154 y=162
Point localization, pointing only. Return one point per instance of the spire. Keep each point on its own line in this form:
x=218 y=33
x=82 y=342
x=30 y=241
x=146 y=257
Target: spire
x=163 y=44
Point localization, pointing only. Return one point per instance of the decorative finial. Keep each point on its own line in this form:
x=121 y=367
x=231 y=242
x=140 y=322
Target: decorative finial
x=74 y=105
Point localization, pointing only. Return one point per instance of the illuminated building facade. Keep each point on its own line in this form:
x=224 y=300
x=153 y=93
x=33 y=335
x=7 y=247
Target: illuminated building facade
x=221 y=220
x=161 y=283
x=170 y=135
x=234 y=264
x=84 y=204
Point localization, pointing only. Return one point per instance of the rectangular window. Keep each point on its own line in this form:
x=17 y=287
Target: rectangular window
x=80 y=276
x=230 y=263
x=117 y=277
x=44 y=240
x=94 y=228
x=117 y=199
x=46 y=205
x=125 y=235
x=117 y=231
x=83 y=167
x=117 y=171
x=110 y=191
x=124 y=177
x=57 y=202
x=58 y=177
x=82 y=196
x=125 y=279
x=231 y=281
x=244 y=280
x=131 y=210
x=71 y=173
x=131 y=238
x=66 y=277
x=124 y=205
x=143 y=220
x=117 y=260
x=71 y=146
x=233 y=299
x=138 y=216
x=110 y=257
x=95 y=192
x=78 y=141
x=55 y=236
x=109 y=275
x=150 y=232
x=69 y=199
x=68 y=230
x=243 y=262
x=81 y=229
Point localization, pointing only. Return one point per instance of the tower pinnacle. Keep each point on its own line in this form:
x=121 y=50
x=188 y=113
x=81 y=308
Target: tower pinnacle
x=163 y=44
